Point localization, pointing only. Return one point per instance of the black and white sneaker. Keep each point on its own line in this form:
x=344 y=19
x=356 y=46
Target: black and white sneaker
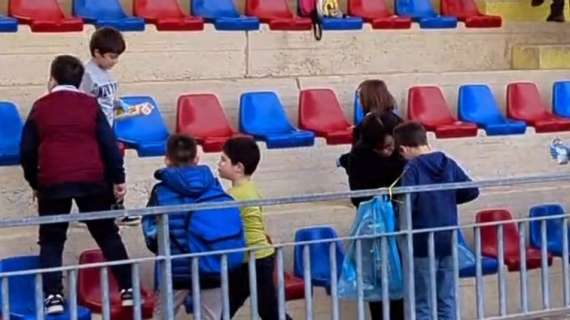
x=127 y=298
x=54 y=304
x=129 y=221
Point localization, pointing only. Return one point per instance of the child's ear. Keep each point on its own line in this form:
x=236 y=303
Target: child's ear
x=167 y=161
x=240 y=168
x=196 y=160
x=51 y=84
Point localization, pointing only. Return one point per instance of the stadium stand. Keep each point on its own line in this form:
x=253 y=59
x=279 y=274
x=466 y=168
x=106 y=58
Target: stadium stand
x=276 y=14
x=467 y=11
x=427 y=105
x=422 y=11
x=166 y=15
x=224 y=15
x=468 y=268
x=10 y=134
x=377 y=14
x=307 y=9
x=321 y=112
x=477 y=104
x=43 y=16
x=262 y=116
x=561 y=98
x=108 y=13
x=8 y=24
x=554 y=228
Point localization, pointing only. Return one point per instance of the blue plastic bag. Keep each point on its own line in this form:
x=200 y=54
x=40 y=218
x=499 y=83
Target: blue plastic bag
x=374 y=217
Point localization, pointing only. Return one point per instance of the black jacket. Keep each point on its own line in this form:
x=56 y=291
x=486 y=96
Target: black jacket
x=366 y=169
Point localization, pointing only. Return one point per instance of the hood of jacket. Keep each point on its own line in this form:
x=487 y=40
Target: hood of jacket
x=190 y=181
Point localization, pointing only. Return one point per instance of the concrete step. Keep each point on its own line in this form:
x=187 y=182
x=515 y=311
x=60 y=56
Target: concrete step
x=518 y=10
x=532 y=57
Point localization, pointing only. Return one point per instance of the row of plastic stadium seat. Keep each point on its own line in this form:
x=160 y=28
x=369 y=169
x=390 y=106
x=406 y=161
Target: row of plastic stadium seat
x=263 y=117
x=47 y=15
x=22 y=303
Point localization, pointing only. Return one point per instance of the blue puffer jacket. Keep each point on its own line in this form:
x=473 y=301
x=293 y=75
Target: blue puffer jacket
x=180 y=185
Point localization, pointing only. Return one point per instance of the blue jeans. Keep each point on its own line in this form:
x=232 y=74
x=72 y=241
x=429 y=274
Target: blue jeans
x=445 y=288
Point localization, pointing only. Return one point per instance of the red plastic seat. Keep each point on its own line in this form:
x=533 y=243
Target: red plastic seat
x=202 y=116
x=524 y=103
x=89 y=290
x=321 y=112
x=377 y=14
x=427 y=105
x=276 y=13
x=294 y=286
x=167 y=15
x=511 y=241
x=43 y=16
x=466 y=11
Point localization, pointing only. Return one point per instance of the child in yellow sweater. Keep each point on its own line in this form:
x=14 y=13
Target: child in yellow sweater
x=238 y=162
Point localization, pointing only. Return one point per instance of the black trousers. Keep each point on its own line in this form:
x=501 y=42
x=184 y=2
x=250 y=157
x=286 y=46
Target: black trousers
x=557 y=7
x=396 y=310
x=105 y=232
x=267 y=306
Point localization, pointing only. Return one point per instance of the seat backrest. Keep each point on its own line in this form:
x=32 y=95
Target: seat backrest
x=561 y=98
x=307 y=8
x=89 y=280
x=263 y=113
x=21 y=288
x=97 y=9
x=319 y=252
x=319 y=109
x=489 y=239
x=554 y=227
x=368 y=9
x=478 y=104
x=415 y=8
x=10 y=126
x=524 y=101
x=142 y=128
x=214 y=9
x=36 y=9
x=459 y=8
x=268 y=9
x=157 y=9
x=202 y=116
x=428 y=106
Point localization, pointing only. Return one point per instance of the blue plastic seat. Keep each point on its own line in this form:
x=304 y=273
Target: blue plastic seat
x=561 y=98
x=22 y=292
x=358 y=111
x=477 y=104
x=224 y=15
x=346 y=23
x=108 y=13
x=422 y=12
x=262 y=116
x=554 y=228
x=319 y=254
x=146 y=134
x=467 y=260
x=8 y=24
x=10 y=134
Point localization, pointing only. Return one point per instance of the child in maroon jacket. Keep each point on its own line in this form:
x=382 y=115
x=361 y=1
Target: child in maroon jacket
x=69 y=153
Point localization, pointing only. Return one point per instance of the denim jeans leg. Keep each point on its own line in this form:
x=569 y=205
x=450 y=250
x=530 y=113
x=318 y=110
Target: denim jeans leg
x=422 y=292
x=445 y=289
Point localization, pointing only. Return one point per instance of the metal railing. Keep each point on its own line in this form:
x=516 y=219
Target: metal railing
x=405 y=235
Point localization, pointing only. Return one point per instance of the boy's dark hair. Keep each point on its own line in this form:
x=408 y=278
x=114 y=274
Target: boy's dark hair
x=243 y=150
x=410 y=134
x=107 y=40
x=375 y=97
x=67 y=70
x=181 y=149
x=372 y=131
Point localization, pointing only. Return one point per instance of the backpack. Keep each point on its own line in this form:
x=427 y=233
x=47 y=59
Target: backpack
x=319 y=9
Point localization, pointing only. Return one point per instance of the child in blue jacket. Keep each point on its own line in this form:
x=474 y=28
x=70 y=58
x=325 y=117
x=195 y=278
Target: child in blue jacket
x=431 y=210
x=183 y=181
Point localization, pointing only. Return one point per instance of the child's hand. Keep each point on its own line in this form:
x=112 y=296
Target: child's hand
x=119 y=191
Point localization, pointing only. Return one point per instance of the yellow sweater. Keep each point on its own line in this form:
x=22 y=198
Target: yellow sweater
x=252 y=218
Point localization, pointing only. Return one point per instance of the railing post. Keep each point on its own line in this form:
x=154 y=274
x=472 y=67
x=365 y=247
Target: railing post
x=5 y=297
x=334 y=281
x=407 y=249
x=166 y=294
x=544 y=266
x=72 y=277
x=565 y=262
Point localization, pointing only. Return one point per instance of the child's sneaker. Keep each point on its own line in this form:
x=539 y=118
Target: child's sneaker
x=125 y=221
x=129 y=221
x=127 y=299
x=54 y=303
x=559 y=151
